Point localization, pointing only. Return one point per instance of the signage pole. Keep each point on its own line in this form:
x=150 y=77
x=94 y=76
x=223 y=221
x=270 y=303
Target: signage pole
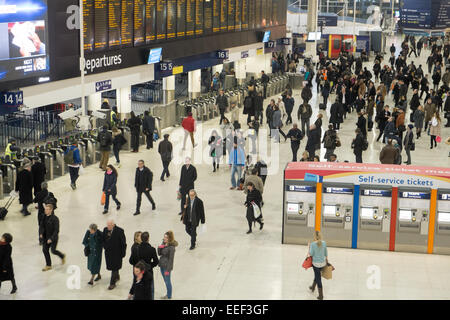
x=315 y=36
x=392 y=21
x=354 y=22
x=82 y=61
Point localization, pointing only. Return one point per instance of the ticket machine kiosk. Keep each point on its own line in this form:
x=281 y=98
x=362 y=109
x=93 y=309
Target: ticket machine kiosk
x=374 y=217
x=337 y=214
x=299 y=212
x=442 y=224
x=413 y=220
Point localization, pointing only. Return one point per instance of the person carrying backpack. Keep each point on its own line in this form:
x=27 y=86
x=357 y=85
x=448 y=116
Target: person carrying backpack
x=118 y=141
x=73 y=160
x=329 y=141
x=106 y=140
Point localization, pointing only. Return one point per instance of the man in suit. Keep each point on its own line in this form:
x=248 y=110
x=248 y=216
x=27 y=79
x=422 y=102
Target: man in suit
x=143 y=184
x=148 y=127
x=115 y=245
x=187 y=179
x=194 y=213
x=147 y=253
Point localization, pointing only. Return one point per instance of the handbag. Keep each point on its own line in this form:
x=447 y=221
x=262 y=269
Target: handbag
x=438 y=139
x=103 y=199
x=87 y=251
x=327 y=271
x=307 y=263
x=256 y=210
x=81 y=170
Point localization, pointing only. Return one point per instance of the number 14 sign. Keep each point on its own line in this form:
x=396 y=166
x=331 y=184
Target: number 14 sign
x=11 y=98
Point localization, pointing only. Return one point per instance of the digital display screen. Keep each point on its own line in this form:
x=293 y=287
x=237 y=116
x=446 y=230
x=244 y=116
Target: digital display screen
x=161 y=19
x=263 y=21
x=244 y=21
x=266 y=36
x=258 y=11
x=181 y=18
x=127 y=23
x=223 y=15
x=114 y=22
x=139 y=22
x=101 y=27
x=269 y=13
x=405 y=214
x=190 y=17
x=312 y=36
x=251 y=13
x=443 y=216
x=293 y=207
x=238 y=15
x=208 y=16
x=367 y=213
x=155 y=56
x=150 y=21
x=88 y=25
x=231 y=14
x=199 y=17
x=275 y=12
x=216 y=15
x=329 y=210
x=23 y=39
x=171 y=18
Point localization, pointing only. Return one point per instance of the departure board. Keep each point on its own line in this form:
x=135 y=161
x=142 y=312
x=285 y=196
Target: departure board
x=88 y=25
x=251 y=14
x=127 y=23
x=190 y=17
x=139 y=25
x=275 y=21
x=231 y=14
x=263 y=21
x=238 y=15
x=181 y=18
x=171 y=18
x=101 y=27
x=114 y=23
x=244 y=14
x=258 y=8
x=161 y=19
x=269 y=13
x=208 y=16
x=216 y=16
x=199 y=17
x=223 y=15
x=150 y=21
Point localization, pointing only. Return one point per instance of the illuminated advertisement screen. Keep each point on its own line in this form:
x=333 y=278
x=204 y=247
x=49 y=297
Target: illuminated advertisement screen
x=23 y=39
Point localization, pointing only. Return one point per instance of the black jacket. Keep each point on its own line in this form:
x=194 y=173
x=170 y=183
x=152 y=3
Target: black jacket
x=115 y=245
x=361 y=124
x=296 y=136
x=198 y=212
x=39 y=199
x=109 y=183
x=38 y=170
x=134 y=254
x=259 y=103
x=335 y=113
x=135 y=125
x=253 y=196
x=49 y=228
x=289 y=104
x=187 y=178
x=358 y=144
x=143 y=179
x=165 y=150
x=148 y=124
x=6 y=263
x=107 y=137
x=147 y=253
x=24 y=185
x=142 y=290
x=222 y=102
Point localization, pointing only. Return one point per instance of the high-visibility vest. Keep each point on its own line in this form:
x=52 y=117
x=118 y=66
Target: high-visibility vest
x=112 y=116
x=8 y=151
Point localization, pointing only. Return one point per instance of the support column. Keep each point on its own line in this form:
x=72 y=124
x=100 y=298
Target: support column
x=94 y=101
x=241 y=71
x=311 y=27
x=124 y=102
x=169 y=89
x=194 y=83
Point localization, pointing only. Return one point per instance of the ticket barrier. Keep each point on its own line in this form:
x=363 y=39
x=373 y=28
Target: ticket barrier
x=299 y=212
x=9 y=176
x=58 y=158
x=47 y=160
x=93 y=135
x=412 y=220
x=374 y=218
x=337 y=213
x=89 y=145
x=127 y=135
x=442 y=224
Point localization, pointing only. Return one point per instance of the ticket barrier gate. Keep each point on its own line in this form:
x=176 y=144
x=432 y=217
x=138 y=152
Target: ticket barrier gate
x=127 y=135
x=96 y=145
x=58 y=158
x=299 y=212
x=47 y=160
x=9 y=176
x=412 y=220
x=337 y=212
x=89 y=146
x=442 y=224
x=374 y=218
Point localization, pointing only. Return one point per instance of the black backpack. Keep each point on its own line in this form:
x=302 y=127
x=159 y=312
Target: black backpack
x=104 y=141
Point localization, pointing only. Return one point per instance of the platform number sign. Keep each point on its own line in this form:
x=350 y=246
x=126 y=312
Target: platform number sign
x=166 y=66
x=222 y=54
x=11 y=98
x=270 y=44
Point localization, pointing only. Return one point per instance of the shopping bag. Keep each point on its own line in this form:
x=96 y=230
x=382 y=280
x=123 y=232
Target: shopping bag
x=438 y=139
x=307 y=263
x=202 y=229
x=103 y=199
x=256 y=210
x=81 y=170
x=327 y=271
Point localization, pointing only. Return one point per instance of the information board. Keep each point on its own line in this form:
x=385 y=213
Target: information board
x=88 y=25
x=269 y=13
x=199 y=17
x=150 y=21
x=139 y=25
x=440 y=14
x=275 y=16
x=114 y=23
x=181 y=18
x=101 y=28
x=190 y=17
x=415 y=14
x=258 y=13
x=231 y=14
x=251 y=13
x=161 y=19
x=208 y=16
x=216 y=16
x=263 y=22
x=244 y=25
x=238 y=15
x=127 y=23
x=223 y=15
x=171 y=18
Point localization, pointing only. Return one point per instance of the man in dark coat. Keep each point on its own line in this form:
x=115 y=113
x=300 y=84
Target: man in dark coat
x=361 y=124
x=134 y=123
x=389 y=153
x=249 y=108
x=143 y=184
x=306 y=94
x=264 y=81
x=49 y=233
x=24 y=185
x=38 y=170
x=335 y=114
x=296 y=136
x=259 y=107
x=222 y=105
x=115 y=245
x=289 y=105
x=312 y=141
x=165 y=150
x=148 y=127
x=357 y=146
x=6 y=264
x=147 y=253
x=194 y=213
x=187 y=179
x=141 y=288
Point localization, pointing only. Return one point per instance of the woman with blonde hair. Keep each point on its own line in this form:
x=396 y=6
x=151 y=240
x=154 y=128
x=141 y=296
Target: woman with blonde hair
x=166 y=251
x=134 y=257
x=319 y=253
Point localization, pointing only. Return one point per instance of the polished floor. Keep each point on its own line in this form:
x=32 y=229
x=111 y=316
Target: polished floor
x=228 y=263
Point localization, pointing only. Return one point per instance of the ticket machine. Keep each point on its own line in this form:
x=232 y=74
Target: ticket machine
x=374 y=217
x=412 y=220
x=337 y=214
x=442 y=225
x=299 y=212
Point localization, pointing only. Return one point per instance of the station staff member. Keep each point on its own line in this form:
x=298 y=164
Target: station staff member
x=11 y=149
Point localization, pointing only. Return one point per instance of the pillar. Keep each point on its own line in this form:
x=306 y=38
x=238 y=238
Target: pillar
x=241 y=71
x=94 y=101
x=169 y=89
x=311 y=27
x=124 y=102
x=194 y=83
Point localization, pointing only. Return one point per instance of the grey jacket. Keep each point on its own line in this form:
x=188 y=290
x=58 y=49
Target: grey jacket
x=167 y=255
x=276 y=119
x=418 y=118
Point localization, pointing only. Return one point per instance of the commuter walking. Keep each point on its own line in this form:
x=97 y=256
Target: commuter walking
x=110 y=187
x=296 y=136
x=118 y=141
x=389 y=154
x=408 y=143
x=40 y=198
x=435 y=129
x=289 y=105
x=134 y=123
x=6 y=263
x=254 y=198
x=39 y=171
x=72 y=158
x=148 y=128
x=358 y=146
x=188 y=125
x=134 y=258
x=419 y=116
x=115 y=245
x=143 y=184
x=259 y=107
x=236 y=162
x=329 y=141
x=49 y=233
x=147 y=254
x=105 y=140
x=187 y=180
x=166 y=251
x=336 y=114
x=304 y=114
x=277 y=123
x=24 y=186
x=165 y=150
x=222 y=105
x=430 y=109
x=93 y=250
x=319 y=254
x=313 y=140
x=264 y=81
x=141 y=287
x=400 y=125
x=215 y=149
x=194 y=213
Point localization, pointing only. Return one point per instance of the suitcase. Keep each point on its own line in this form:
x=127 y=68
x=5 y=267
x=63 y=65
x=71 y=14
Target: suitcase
x=322 y=106
x=4 y=210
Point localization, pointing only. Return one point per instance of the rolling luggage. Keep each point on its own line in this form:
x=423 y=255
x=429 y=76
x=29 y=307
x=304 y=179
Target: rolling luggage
x=4 y=210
